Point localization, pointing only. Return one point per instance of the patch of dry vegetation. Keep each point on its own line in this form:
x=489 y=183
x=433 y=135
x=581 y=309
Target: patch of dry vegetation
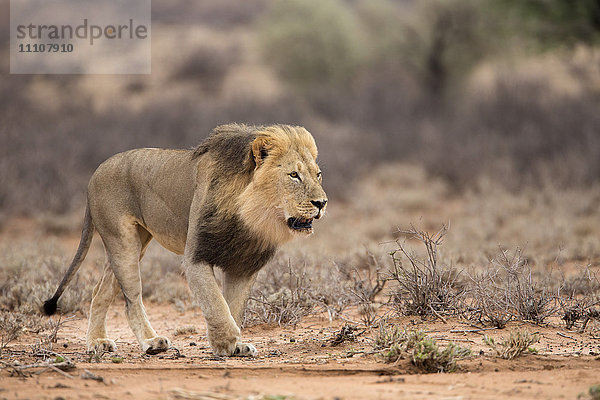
x=395 y=344
x=425 y=287
x=518 y=342
x=424 y=276
x=283 y=299
x=30 y=273
x=506 y=290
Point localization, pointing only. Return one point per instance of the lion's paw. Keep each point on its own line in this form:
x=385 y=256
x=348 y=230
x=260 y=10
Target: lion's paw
x=101 y=345
x=156 y=345
x=244 y=350
x=233 y=349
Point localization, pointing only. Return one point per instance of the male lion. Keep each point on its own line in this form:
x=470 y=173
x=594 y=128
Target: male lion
x=229 y=203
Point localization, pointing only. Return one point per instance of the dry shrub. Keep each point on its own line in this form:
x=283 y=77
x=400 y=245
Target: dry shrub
x=367 y=278
x=332 y=291
x=585 y=283
x=13 y=324
x=507 y=290
x=579 y=311
x=579 y=298
x=425 y=286
x=285 y=291
x=11 y=327
x=360 y=280
x=365 y=290
x=490 y=303
x=283 y=299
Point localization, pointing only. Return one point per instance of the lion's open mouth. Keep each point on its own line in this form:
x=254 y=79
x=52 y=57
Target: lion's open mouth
x=300 y=224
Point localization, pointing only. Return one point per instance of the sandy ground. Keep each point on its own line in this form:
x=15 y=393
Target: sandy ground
x=302 y=363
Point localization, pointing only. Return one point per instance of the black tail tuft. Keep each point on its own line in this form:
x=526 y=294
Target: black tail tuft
x=50 y=306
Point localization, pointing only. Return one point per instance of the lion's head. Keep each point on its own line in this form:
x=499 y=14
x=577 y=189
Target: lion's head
x=285 y=194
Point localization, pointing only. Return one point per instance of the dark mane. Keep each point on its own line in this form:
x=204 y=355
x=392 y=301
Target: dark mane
x=222 y=240
x=231 y=146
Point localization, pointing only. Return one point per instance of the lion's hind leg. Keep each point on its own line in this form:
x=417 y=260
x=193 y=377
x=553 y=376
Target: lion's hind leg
x=124 y=252
x=102 y=297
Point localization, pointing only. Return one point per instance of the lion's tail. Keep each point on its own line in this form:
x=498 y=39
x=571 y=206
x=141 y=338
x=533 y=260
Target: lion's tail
x=84 y=244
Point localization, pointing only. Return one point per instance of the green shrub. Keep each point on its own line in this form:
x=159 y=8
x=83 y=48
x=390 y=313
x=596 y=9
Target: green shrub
x=423 y=351
x=311 y=43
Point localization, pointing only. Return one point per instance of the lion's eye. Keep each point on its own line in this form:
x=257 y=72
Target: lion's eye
x=294 y=175
x=319 y=175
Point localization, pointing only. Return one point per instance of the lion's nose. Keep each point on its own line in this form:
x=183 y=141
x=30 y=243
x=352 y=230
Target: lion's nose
x=319 y=203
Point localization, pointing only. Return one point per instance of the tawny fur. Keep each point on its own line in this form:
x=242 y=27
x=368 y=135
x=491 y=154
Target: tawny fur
x=229 y=203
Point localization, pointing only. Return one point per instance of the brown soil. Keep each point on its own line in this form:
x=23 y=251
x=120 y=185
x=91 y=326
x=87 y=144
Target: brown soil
x=301 y=363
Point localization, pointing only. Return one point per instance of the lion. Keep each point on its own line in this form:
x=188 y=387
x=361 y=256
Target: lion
x=229 y=203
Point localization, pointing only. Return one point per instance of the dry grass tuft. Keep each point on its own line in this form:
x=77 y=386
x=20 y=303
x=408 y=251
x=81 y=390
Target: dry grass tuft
x=518 y=342
x=428 y=357
x=395 y=344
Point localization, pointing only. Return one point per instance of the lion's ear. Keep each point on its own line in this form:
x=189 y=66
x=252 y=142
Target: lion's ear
x=260 y=150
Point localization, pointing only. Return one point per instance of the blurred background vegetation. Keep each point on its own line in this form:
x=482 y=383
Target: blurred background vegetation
x=481 y=114
x=506 y=91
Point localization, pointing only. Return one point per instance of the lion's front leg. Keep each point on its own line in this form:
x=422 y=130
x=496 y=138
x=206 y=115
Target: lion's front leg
x=236 y=289
x=223 y=332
